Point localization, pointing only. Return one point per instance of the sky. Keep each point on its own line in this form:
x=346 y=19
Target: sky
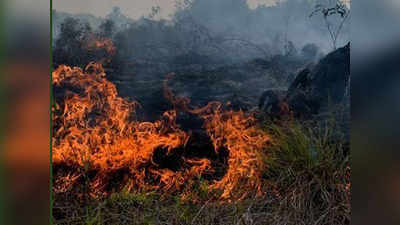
x=132 y=8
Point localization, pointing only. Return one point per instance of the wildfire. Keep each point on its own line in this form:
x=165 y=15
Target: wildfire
x=96 y=44
x=96 y=130
x=106 y=44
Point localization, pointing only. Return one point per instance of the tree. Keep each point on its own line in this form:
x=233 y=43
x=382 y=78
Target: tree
x=68 y=47
x=155 y=11
x=107 y=28
x=327 y=10
x=120 y=20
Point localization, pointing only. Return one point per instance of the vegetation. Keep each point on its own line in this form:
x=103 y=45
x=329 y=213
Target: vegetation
x=339 y=9
x=307 y=182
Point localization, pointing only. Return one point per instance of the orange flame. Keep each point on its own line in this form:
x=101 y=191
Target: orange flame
x=93 y=43
x=106 y=44
x=96 y=129
x=236 y=132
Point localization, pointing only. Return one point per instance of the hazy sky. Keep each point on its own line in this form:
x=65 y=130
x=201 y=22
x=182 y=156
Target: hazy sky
x=132 y=8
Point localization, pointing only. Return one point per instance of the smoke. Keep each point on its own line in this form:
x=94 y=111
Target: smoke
x=220 y=50
x=267 y=24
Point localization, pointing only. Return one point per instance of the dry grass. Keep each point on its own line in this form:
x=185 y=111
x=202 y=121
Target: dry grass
x=307 y=182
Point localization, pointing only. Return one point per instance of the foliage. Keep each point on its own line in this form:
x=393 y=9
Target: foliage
x=107 y=28
x=327 y=10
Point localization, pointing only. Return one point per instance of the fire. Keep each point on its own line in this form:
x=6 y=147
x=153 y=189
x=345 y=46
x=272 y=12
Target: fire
x=236 y=132
x=100 y=46
x=96 y=130
x=93 y=43
x=106 y=44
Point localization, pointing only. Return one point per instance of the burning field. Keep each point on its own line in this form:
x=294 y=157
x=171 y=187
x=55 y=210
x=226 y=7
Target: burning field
x=110 y=167
x=132 y=143
x=98 y=138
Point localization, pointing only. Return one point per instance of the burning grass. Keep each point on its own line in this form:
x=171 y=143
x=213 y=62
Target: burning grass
x=111 y=168
x=97 y=136
x=303 y=188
